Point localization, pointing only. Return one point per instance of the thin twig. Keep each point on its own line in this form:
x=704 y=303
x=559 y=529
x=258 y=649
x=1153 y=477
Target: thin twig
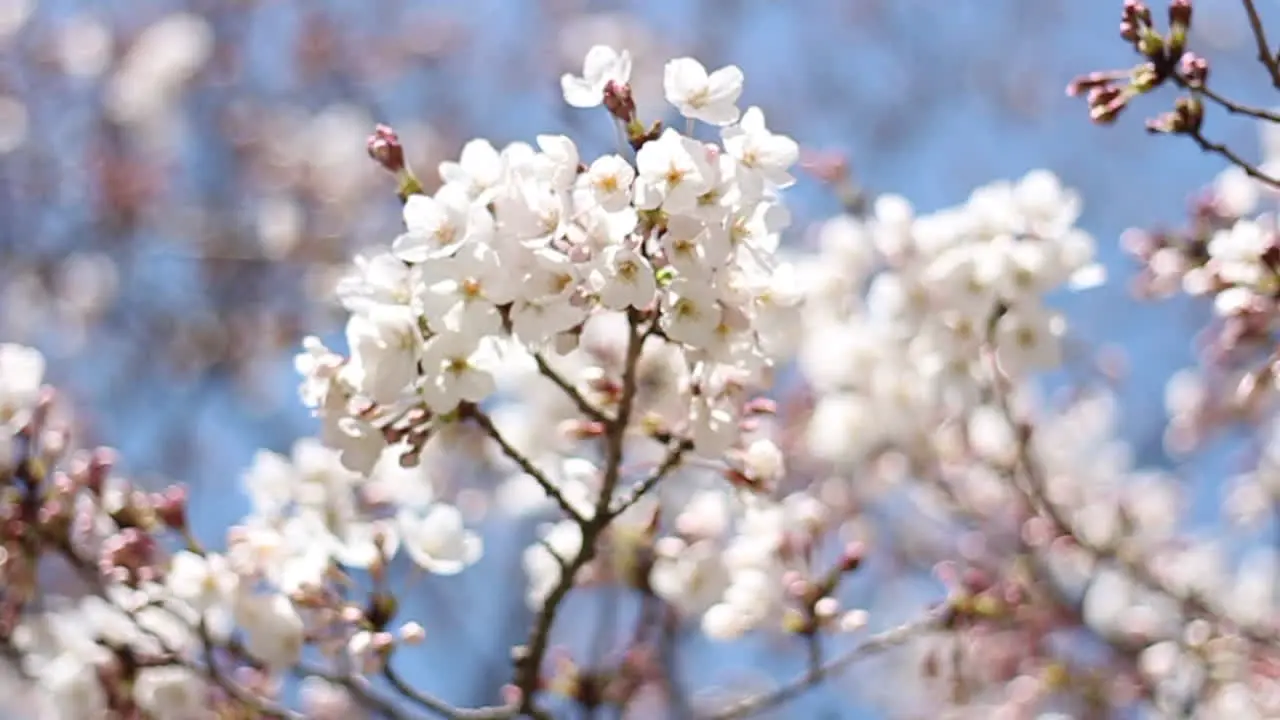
x=675 y=455
x=584 y=405
x=1231 y=157
x=1265 y=55
x=358 y=685
x=1228 y=104
x=527 y=465
x=937 y=619
x=438 y=706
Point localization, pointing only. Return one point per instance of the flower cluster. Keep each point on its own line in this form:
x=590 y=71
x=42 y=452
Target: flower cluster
x=23 y=371
x=940 y=291
x=661 y=256
x=520 y=249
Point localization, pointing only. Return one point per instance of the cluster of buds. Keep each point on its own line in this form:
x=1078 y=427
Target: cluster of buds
x=818 y=608
x=1166 y=255
x=1164 y=57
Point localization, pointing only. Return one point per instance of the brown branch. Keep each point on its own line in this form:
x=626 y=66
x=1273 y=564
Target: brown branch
x=527 y=465
x=1230 y=155
x=675 y=455
x=439 y=707
x=1265 y=54
x=529 y=657
x=937 y=619
x=584 y=406
x=1231 y=106
x=358 y=685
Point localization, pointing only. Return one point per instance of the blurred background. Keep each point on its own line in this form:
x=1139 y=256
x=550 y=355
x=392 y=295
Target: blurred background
x=181 y=182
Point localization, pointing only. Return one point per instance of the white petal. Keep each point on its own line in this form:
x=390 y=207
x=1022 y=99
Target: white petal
x=600 y=59
x=579 y=92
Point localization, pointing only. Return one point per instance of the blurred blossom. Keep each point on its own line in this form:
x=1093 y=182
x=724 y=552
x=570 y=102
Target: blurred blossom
x=13 y=15
x=280 y=225
x=157 y=66
x=13 y=124
x=88 y=282
x=335 y=167
x=84 y=46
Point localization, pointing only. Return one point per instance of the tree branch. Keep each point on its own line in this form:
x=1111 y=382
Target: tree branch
x=437 y=706
x=1265 y=54
x=1230 y=155
x=527 y=465
x=529 y=658
x=675 y=455
x=937 y=619
x=584 y=405
x=1227 y=104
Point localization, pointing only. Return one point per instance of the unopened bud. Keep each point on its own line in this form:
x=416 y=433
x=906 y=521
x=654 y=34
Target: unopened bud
x=1135 y=19
x=1136 y=12
x=1106 y=103
x=619 y=101
x=1180 y=14
x=385 y=148
x=852 y=556
x=798 y=587
x=101 y=462
x=1194 y=69
x=853 y=620
x=412 y=633
x=1186 y=117
x=1085 y=83
x=1129 y=32
x=579 y=429
x=826 y=608
x=171 y=507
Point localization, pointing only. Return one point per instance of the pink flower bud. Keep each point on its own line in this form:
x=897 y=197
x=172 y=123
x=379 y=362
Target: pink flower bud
x=385 y=148
x=171 y=507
